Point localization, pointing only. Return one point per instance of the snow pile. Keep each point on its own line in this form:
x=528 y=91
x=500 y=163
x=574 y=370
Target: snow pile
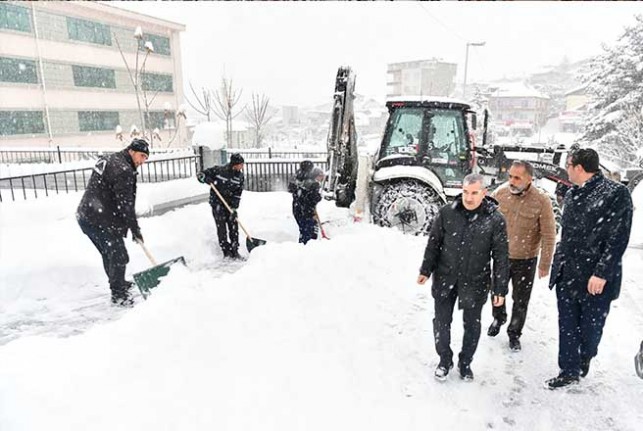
x=333 y=335
x=213 y=134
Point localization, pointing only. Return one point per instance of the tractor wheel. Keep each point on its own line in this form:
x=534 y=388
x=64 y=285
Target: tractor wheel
x=409 y=206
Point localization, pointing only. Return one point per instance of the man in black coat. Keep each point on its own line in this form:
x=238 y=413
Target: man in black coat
x=304 y=188
x=106 y=212
x=587 y=268
x=228 y=179
x=465 y=236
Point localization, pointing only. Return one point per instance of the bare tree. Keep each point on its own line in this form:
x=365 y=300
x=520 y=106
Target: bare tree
x=137 y=77
x=225 y=99
x=147 y=100
x=204 y=101
x=258 y=116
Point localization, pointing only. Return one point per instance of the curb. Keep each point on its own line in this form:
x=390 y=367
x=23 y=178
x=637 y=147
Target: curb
x=164 y=207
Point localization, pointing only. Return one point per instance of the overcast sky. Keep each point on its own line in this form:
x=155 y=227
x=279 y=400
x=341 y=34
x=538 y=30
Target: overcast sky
x=291 y=51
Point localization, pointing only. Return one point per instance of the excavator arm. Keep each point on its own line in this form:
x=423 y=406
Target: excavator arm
x=342 y=142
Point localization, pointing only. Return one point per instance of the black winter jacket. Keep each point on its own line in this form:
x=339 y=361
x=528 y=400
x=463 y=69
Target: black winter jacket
x=108 y=201
x=305 y=194
x=459 y=251
x=596 y=223
x=228 y=182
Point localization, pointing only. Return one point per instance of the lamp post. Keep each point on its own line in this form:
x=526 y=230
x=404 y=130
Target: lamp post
x=466 y=65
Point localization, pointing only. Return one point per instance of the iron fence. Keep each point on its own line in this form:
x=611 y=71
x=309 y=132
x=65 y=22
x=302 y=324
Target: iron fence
x=61 y=155
x=269 y=153
x=261 y=176
x=73 y=180
x=272 y=176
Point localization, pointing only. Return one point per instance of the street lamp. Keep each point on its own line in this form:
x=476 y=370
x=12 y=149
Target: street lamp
x=466 y=65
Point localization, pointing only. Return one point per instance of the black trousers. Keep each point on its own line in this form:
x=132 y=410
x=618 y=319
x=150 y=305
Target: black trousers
x=115 y=258
x=522 y=273
x=307 y=228
x=227 y=230
x=581 y=318
x=442 y=329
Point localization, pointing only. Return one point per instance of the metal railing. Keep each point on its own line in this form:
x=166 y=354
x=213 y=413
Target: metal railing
x=272 y=176
x=73 y=180
x=269 y=153
x=61 y=155
x=260 y=176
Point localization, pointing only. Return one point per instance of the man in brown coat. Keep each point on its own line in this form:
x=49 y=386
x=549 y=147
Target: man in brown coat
x=531 y=228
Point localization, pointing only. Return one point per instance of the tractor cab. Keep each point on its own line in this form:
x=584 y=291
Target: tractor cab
x=427 y=149
x=432 y=134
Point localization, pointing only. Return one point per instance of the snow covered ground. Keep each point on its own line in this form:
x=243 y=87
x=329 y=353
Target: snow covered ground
x=334 y=335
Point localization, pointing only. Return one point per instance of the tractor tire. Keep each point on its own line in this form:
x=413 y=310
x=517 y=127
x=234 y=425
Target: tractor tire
x=409 y=206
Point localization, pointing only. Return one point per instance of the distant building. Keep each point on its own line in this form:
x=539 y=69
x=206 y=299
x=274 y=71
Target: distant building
x=290 y=115
x=576 y=99
x=63 y=80
x=422 y=77
x=516 y=103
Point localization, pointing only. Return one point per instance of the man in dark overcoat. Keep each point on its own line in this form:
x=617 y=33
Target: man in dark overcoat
x=465 y=237
x=587 y=267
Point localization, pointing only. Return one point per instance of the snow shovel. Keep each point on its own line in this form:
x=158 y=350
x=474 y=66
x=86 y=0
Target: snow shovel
x=638 y=362
x=251 y=242
x=321 y=227
x=150 y=278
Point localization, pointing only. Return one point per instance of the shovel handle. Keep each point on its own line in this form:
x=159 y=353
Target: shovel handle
x=230 y=210
x=147 y=252
x=321 y=228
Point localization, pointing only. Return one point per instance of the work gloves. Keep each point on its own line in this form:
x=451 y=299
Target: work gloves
x=204 y=179
x=136 y=235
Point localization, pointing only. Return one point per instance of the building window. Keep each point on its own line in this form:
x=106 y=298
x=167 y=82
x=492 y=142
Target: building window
x=88 y=31
x=91 y=121
x=158 y=119
x=161 y=44
x=21 y=122
x=14 y=17
x=157 y=82
x=17 y=70
x=93 y=77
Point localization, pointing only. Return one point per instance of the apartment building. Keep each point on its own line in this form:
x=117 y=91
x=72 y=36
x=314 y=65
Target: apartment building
x=64 y=79
x=518 y=103
x=421 y=78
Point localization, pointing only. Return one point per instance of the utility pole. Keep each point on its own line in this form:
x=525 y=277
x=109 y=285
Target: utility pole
x=466 y=66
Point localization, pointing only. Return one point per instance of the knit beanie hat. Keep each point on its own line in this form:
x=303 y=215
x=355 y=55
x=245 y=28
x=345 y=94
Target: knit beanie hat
x=236 y=159
x=140 y=145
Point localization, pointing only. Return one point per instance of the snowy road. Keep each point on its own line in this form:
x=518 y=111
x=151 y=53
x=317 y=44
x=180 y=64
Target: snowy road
x=335 y=335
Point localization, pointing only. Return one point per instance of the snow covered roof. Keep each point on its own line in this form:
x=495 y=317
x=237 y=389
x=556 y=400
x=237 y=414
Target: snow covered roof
x=580 y=90
x=427 y=99
x=517 y=89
